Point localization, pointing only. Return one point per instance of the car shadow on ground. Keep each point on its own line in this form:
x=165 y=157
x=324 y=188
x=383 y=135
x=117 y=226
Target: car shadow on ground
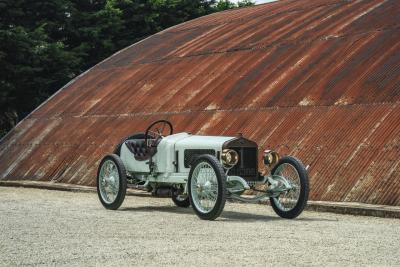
x=225 y=216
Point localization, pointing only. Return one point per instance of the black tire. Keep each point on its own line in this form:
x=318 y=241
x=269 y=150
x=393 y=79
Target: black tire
x=182 y=203
x=304 y=189
x=122 y=182
x=221 y=182
x=117 y=150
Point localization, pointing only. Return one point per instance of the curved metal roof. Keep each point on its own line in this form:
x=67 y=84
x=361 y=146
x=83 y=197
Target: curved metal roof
x=319 y=79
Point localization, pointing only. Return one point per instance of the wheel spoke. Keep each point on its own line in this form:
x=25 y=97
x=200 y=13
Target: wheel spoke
x=109 y=181
x=162 y=128
x=288 y=200
x=204 y=187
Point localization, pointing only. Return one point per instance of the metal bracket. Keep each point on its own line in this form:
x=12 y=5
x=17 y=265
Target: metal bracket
x=236 y=184
x=278 y=185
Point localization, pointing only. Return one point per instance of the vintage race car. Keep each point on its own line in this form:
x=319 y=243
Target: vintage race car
x=201 y=171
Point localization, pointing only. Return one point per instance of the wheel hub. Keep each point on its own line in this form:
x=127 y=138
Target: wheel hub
x=204 y=188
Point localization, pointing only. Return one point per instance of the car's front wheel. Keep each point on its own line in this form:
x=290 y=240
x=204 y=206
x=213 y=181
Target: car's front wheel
x=291 y=203
x=111 y=182
x=207 y=187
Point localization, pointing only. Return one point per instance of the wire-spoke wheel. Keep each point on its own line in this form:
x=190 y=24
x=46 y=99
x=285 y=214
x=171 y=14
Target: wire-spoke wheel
x=207 y=187
x=111 y=182
x=292 y=202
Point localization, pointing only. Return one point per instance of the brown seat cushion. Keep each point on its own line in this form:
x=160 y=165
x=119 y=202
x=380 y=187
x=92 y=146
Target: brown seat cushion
x=139 y=149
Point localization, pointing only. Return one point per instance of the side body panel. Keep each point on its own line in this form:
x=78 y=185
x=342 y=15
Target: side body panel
x=131 y=164
x=170 y=157
x=165 y=158
x=198 y=142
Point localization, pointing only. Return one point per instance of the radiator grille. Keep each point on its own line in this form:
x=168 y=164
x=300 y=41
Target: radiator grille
x=247 y=165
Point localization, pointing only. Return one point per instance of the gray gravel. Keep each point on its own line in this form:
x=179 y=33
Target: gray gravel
x=41 y=227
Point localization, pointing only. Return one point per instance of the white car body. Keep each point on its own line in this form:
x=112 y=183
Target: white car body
x=200 y=171
x=170 y=168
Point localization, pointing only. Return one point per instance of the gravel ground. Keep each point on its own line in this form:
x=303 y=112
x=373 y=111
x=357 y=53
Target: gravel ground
x=42 y=227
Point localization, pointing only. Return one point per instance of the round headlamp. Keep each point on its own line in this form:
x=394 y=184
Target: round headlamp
x=229 y=158
x=271 y=157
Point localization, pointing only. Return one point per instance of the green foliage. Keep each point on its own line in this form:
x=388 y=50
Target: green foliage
x=44 y=44
x=245 y=3
x=225 y=4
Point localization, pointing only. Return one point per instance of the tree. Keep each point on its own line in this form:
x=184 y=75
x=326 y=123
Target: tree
x=44 y=44
x=32 y=64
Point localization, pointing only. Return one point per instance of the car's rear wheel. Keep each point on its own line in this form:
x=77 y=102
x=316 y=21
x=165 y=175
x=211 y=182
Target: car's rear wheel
x=111 y=182
x=181 y=201
x=290 y=204
x=207 y=187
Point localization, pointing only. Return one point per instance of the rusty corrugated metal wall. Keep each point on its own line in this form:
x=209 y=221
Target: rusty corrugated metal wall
x=319 y=79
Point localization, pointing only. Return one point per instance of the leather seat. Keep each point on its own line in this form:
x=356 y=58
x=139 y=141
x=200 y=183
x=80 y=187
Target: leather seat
x=139 y=149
